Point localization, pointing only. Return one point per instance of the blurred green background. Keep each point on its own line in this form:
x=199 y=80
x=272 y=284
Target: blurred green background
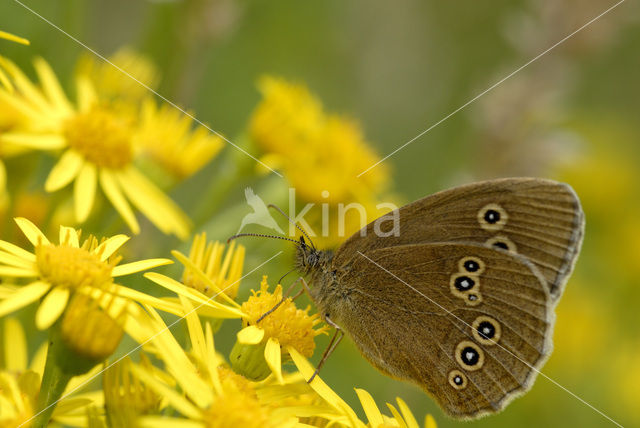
x=398 y=68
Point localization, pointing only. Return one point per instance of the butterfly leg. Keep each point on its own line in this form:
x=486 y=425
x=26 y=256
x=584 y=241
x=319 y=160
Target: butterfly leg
x=285 y=296
x=333 y=344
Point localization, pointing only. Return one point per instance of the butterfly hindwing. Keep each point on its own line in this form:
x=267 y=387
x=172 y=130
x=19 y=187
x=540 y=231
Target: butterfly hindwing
x=409 y=310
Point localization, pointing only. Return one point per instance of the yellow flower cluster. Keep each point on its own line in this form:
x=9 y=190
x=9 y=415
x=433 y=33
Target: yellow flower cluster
x=317 y=151
x=320 y=154
x=103 y=138
x=115 y=147
x=77 y=284
x=289 y=325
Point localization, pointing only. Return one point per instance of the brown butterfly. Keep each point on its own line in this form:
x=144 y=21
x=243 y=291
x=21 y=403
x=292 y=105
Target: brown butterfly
x=459 y=301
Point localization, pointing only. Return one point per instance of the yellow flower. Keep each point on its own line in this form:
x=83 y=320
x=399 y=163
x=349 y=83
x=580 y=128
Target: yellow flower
x=207 y=257
x=20 y=382
x=209 y=394
x=347 y=416
x=402 y=418
x=17 y=404
x=169 y=138
x=212 y=397
x=316 y=151
x=125 y=396
x=285 y=327
x=98 y=148
x=320 y=154
x=122 y=77
x=10 y=120
x=55 y=272
x=210 y=279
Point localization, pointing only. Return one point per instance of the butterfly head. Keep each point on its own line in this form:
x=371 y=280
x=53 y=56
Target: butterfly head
x=311 y=261
x=307 y=257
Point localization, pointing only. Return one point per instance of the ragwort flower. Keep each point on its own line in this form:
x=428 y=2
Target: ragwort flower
x=283 y=328
x=97 y=144
x=321 y=155
x=55 y=272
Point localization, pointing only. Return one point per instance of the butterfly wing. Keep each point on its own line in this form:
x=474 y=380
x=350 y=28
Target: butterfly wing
x=469 y=324
x=536 y=218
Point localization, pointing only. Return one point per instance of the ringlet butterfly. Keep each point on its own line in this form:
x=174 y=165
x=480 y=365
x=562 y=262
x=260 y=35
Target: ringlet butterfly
x=461 y=301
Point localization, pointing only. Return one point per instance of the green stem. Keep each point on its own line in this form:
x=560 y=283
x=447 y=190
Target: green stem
x=54 y=382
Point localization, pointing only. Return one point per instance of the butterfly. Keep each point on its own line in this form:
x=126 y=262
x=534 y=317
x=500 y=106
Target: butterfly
x=460 y=299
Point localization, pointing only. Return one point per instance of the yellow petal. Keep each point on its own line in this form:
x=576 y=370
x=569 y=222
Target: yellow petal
x=195 y=270
x=35 y=141
x=110 y=246
x=13 y=38
x=33 y=234
x=39 y=359
x=15 y=349
x=194 y=327
x=273 y=358
x=17 y=251
x=17 y=272
x=51 y=86
x=52 y=307
x=429 y=422
x=139 y=266
x=178 y=362
x=17 y=262
x=406 y=414
x=155 y=302
x=64 y=171
x=64 y=408
x=397 y=416
x=219 y=310
x=165 y=214
x=84 y=191
x=250 y=335
x=25 y=86
x=69 y=236
x=114 y=194
x=4 y=81
x=177 y=401
x=211 y=358
x=23 y=296
x=211 y=310
x=370 y=408
x=319 y=386
x=87 y=96
x=167 y=422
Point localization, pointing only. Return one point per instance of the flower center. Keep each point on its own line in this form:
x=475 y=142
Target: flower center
x=288 y=324
x=73 y=267
x=237 y=409
x=101 y=137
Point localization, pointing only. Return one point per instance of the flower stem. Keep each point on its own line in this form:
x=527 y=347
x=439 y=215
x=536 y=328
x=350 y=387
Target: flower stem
x=54 y=382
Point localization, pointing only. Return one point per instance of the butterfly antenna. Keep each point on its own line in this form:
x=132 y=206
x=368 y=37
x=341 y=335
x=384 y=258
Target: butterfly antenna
x=259 y=235
x=292 y=222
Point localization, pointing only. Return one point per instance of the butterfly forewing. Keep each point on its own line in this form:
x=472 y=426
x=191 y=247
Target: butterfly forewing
x=541 y=220
x=468 y=323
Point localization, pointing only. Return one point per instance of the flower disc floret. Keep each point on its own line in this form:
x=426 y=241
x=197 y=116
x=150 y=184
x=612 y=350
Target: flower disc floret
x=64 y=265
